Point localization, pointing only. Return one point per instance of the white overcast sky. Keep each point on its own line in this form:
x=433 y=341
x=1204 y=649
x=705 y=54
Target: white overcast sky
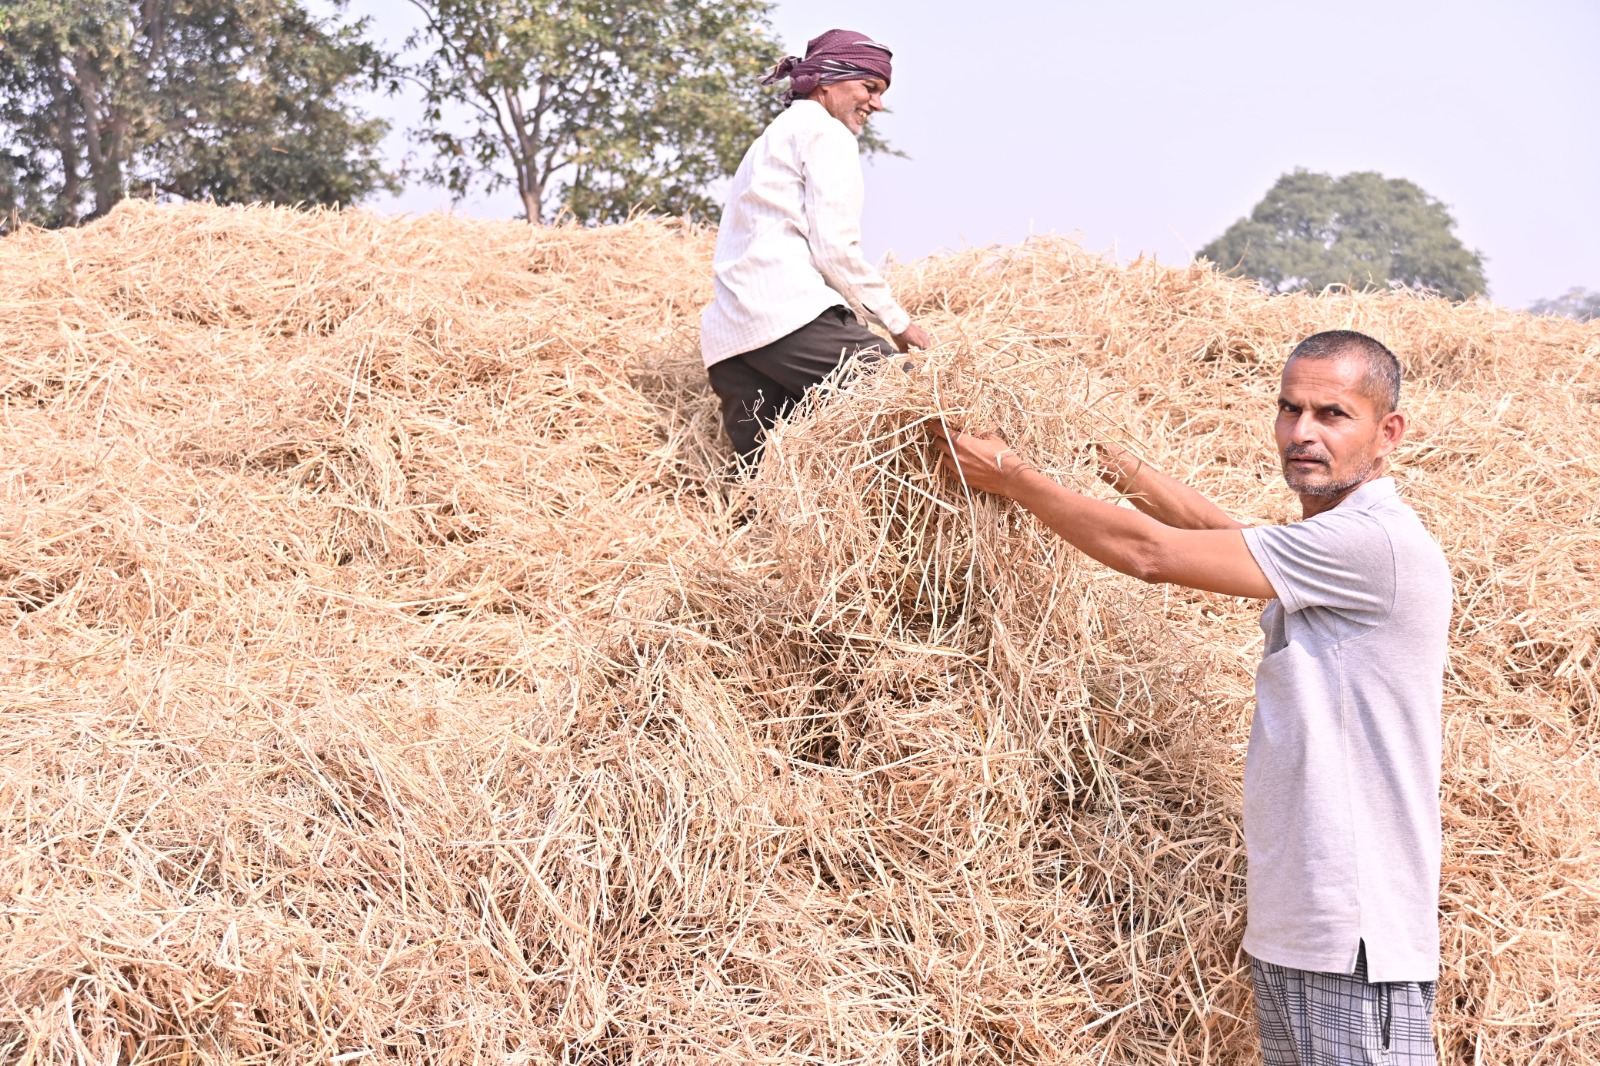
x=1149 y=126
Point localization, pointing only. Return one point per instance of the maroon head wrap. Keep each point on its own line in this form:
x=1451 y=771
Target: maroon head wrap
x=838 y=55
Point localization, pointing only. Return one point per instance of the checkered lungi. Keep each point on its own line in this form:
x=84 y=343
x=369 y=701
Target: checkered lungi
x=1334 y=1019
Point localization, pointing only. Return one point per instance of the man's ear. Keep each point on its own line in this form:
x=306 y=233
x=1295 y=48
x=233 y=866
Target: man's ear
x=1391 y=431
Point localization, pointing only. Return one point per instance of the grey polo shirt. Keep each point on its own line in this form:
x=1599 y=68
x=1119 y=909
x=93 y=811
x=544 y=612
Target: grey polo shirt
x=1341 y=780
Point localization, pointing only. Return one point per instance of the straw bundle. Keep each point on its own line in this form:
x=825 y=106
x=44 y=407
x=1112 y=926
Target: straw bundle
x=391 y=679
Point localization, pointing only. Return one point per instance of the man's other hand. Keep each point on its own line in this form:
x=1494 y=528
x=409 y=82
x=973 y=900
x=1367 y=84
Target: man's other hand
x=983 y=461
x=914 y=336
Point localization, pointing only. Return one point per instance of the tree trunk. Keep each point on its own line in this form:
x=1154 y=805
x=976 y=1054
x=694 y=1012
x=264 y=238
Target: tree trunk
x=71 y=179
x=105 y=167
x=530 y=205
x=67 y=147
x=524 y=156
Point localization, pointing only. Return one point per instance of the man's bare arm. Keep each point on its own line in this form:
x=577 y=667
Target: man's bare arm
x=1163 y=498
x=1212 y=560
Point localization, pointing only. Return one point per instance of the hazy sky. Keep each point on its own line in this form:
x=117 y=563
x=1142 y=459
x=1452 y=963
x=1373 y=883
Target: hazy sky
x=1151 y=126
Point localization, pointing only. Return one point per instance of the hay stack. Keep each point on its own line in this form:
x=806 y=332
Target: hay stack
x=390 y=682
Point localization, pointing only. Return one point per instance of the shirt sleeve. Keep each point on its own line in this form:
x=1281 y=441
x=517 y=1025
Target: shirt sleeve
x=835 y=194
x=1340 y=561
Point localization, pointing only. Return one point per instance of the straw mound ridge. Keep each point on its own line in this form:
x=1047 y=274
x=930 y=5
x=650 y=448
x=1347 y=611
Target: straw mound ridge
x=391 y=679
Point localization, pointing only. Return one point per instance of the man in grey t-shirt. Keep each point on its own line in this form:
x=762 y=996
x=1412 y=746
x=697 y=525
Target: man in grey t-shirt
x=1341 y=793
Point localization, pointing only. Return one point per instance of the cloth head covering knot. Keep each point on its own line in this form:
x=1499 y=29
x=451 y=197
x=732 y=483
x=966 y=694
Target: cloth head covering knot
x=837 y=55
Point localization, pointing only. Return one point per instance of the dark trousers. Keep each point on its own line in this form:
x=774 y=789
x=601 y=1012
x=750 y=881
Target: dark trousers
x=758 y=386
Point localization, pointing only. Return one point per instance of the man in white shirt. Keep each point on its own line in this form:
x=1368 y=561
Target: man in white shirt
x=788 y=264
x=1341 y=778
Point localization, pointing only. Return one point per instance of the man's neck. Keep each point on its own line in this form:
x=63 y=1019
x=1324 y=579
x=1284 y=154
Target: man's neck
x=1311 y=506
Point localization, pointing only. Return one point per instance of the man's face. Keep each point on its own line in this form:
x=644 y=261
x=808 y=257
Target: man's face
x=1331 y=434
x=851 y=102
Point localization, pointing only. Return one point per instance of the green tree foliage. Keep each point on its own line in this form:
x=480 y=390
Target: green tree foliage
x=597 y=107
x=1576 y=302
x=1363 y=231
x=235 y=100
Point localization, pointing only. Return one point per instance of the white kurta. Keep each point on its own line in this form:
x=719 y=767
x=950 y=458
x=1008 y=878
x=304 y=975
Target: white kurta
x=789 y=246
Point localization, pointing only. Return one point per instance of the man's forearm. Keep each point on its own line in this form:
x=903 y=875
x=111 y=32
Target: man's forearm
x=833 y=215
x=1213 y=560
x=1163 y=498
x=850 y=275
x=1122 y=539
x=1208 y=558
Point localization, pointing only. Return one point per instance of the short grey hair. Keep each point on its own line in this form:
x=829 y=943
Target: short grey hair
x=1382 y=378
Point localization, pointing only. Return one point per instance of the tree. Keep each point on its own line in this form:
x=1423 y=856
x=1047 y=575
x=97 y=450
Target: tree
x=597 y=107
x=235 y=100
x=1363 y=231
x=1576 y=302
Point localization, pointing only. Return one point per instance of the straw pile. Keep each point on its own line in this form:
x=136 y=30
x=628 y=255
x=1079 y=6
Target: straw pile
x=395 y=677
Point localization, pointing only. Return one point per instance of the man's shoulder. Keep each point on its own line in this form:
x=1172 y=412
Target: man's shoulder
x=1401 y=523
x=1421 y=567
x=806 y=123
x=1385 y=529
x=1340 y=528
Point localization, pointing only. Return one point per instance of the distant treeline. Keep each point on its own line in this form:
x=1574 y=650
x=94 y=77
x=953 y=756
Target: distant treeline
x=590 y=109
x=595 y=108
